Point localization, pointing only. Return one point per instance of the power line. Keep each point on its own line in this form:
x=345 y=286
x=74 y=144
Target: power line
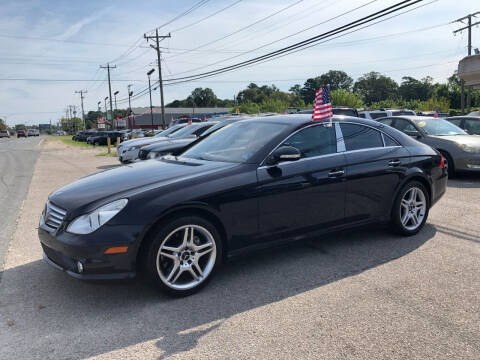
x=243 y=28
x=302 y=44
x=186 y=12
x=206 y=17
x=283 y=38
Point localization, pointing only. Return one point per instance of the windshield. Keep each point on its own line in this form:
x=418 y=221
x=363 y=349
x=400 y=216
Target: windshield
x=438 y=127
x=403 y=112
x=236 y=143
x=346 y=112
x=169 y=130
x=187 y=130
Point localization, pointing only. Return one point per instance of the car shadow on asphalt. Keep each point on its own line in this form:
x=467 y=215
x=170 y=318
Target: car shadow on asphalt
x=465 y=181
x=108 y=167
x=110 y=316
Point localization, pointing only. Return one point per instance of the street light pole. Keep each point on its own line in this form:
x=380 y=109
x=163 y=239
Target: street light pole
x=115 y=114
x=106 y=109
x=150 y=91
x=130 y=93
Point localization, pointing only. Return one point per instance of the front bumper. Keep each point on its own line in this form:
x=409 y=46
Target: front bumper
x=63 y=251
x=467 y=163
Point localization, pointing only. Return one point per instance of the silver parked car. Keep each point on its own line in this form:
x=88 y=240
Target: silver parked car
x=460 y=150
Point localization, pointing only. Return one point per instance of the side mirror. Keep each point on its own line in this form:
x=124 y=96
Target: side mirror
x=413 y=133
x=284 y=153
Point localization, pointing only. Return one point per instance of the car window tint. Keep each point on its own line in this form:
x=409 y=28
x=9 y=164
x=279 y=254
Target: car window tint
x=377 y=115
x=389 y=141
x=455 y=121
x=201 y=130
x=404 y=125
x=386 y=121
x=314 y=141
x=357 y=137
x=472 y=126
x=362 y=115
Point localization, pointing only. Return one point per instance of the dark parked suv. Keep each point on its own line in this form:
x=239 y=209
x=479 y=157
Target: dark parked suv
x=100 y=138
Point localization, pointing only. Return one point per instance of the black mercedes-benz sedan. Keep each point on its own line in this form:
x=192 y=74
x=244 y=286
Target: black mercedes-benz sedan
x=249 y=185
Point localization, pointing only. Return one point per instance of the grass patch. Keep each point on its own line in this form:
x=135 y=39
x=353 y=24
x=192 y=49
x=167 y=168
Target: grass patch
x=105 y=153
x=68 y=141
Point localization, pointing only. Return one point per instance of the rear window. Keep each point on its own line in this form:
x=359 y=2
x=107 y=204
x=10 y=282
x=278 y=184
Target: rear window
x=403 y=112
x=377 y=115
x=347 y=112
x=358 y=137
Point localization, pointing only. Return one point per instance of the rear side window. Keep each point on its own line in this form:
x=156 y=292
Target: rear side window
x=455 y=121
x=377 y=115
x=404 y=125
x=472 y=126
x=389 y=141
x=358 y=137
x=362 y=115
x=314 y=141
x=386 y=121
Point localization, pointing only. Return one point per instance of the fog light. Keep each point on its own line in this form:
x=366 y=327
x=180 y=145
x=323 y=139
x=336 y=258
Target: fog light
x=79 y=266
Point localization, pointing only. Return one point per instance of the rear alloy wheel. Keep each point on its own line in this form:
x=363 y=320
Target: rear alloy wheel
x=184 y=255
x=411 y=209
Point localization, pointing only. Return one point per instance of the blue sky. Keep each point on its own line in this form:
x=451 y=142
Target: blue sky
x=91 y=33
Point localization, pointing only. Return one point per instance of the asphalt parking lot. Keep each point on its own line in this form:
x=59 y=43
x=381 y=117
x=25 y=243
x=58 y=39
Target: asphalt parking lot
x=356 y=295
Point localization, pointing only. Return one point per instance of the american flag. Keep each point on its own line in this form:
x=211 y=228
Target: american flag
x=322 y=108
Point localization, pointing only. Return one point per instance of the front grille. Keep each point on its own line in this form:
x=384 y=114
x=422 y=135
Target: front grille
x=54 y=216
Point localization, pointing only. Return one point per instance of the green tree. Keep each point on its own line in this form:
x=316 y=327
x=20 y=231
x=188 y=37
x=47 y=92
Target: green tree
x=335 y=78
x=249 y=107
x=202 y=97
x=346 y=98
x=3 y=126
x=411 y=88
x=376 y=87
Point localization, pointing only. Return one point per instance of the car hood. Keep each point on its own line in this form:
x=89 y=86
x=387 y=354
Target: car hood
x=472 y=140
x=92 y=191
x=144 y=140
x=164 y=145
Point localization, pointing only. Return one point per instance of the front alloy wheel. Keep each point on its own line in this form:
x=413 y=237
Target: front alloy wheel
x=184 y=255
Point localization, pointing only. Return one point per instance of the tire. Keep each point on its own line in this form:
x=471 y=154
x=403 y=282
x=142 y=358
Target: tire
x=96 y=143
x=449 y=164
x=178 y=265
x=403 y=221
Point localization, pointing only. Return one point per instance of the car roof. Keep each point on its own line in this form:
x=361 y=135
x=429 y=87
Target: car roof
x=411 y=117
x=464 y=117
x=299 y=119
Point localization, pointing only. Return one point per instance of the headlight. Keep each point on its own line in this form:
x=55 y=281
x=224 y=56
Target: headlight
x=137 y=147
x=468 y=148
x=85 y=224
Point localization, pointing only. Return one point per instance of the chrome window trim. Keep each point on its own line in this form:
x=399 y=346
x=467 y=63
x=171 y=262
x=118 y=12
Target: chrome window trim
x=296 y=131
x=340 y=141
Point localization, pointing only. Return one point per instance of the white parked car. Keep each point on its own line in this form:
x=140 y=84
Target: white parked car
x=376 y=114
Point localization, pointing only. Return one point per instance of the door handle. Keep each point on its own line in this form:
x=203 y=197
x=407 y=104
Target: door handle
x=394 y=162
x=336 y=173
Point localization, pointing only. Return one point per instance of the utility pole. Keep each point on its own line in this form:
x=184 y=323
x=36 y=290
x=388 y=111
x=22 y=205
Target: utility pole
x=157 y=48
x=469 y=28
x=130 y=93
x=81 y=92
x=150 y=91
x=108 y=67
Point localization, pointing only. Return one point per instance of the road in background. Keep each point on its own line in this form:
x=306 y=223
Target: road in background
x=17 y=161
